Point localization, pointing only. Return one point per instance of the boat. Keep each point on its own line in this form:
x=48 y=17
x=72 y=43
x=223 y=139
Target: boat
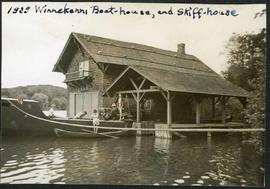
x=25 y=117
x=90 y=134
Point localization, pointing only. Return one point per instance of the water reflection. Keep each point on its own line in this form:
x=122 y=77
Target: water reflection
x=32 y=166
x=162 y=145
x=135 y=160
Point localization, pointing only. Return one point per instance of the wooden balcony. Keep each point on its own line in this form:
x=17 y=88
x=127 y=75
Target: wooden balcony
x=78 y=75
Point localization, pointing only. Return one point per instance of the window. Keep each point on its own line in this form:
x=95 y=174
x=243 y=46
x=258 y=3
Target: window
x=147 y=105
x=84 y=69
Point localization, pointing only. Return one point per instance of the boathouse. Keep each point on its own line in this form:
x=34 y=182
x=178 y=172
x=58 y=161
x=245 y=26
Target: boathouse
x=153 y=84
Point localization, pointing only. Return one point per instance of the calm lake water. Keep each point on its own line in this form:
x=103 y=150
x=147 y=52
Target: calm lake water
x=130 y=160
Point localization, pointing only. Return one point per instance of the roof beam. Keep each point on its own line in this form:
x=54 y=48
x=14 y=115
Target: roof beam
x=164 y=95
x=133 y=83
x=224 y=99
x=101 y=66
x=134 y=96
x=141 y=96
x=143 y=81
x=106 y=67
x=168 y=96
x=70 y=84
x=117 y=79
x=107 y=94
x=173 y=96
x=139 y=91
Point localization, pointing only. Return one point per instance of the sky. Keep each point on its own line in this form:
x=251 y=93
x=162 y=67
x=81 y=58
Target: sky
x=32 y=42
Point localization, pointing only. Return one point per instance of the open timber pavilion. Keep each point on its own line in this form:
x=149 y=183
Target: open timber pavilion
x=161 y=87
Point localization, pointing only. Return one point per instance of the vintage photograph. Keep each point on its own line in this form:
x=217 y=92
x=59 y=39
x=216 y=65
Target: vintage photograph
x=133 y=94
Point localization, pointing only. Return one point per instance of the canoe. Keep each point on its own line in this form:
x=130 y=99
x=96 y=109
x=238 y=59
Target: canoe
x=86 y=133
x=26 y=118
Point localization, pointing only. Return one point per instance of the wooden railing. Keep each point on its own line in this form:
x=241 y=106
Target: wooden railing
x=78 y=75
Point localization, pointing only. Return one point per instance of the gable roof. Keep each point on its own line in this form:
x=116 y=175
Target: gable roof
x=184 y=82
x=167 y=69
x=104 y=50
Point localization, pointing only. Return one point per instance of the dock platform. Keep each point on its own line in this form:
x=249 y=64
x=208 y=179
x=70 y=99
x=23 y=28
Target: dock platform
x=209 y=125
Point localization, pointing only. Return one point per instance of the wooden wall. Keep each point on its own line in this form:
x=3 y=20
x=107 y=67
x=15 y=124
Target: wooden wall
x=182 y=111
x=100 y=80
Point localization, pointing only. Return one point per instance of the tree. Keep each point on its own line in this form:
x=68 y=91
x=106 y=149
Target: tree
x=255 y=111
x=5 y=93
x=246 y=58
x=42 y=98
x=247 y=69
x=23 y=96
x=31 y=91
x=60 y=102
x=63 y=103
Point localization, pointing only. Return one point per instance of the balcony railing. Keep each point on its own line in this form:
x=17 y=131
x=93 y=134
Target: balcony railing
x=78 y=75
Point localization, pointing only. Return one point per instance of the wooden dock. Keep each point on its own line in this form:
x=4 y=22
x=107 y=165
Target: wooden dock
x=208 y=125
x=165 y=130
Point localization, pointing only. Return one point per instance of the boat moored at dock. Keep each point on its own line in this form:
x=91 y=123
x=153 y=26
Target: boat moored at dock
x=25 y=117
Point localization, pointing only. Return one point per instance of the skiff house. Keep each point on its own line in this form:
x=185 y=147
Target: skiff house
x=151 y=83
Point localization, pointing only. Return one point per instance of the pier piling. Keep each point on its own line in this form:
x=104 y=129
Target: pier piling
x=162 y=134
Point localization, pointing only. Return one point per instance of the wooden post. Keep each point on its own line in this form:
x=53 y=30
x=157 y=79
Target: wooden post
x=138 y=107
x=120 y=105
x=137 y=98
x=198 y=113
x=223 y=112
x=163 y=134
x=213 y=108
x=169 y=109
x=166 y=134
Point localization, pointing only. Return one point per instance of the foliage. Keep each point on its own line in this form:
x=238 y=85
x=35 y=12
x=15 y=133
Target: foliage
x=40 y=93
x=234 y=108
x=60 y=102
x=246 y=58
x=42 y=98
x=255 y=111
x=247 y=69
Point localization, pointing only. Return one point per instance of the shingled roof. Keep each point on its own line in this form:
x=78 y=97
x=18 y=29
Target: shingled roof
x=184 y=82
x=183 y=72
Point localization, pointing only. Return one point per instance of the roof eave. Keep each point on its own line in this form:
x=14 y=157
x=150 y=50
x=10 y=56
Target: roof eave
x=58 y=62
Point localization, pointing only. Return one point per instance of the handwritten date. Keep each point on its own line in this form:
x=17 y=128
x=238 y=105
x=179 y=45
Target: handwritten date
x=21 y=10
